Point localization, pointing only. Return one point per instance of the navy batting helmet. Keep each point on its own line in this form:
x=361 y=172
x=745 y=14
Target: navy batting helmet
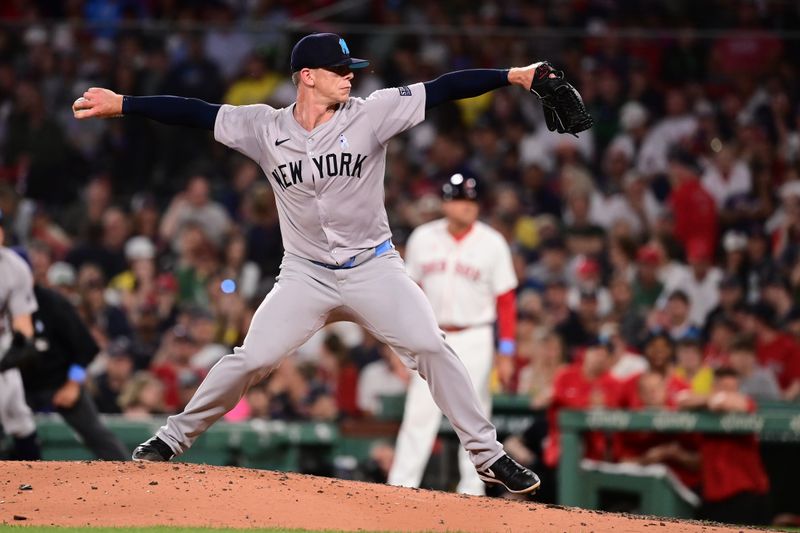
x=460 y=187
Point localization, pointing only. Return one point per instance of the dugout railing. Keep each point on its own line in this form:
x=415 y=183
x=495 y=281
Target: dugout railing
x=580 y=481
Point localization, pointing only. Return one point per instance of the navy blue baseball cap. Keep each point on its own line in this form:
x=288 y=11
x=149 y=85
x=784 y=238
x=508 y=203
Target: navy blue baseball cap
x=323 y=50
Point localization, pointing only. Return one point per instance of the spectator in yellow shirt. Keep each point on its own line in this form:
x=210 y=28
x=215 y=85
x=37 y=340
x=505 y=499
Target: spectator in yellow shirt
x=691 y=367
x=256 y=85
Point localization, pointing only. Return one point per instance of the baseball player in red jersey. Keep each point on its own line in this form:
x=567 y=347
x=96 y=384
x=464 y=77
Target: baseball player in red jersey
x=325 y=158
x=465 y=269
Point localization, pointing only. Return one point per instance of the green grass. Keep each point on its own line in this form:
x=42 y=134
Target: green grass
x=4 y=528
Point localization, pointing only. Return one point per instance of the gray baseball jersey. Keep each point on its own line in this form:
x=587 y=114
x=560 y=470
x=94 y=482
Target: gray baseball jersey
x=16 y=293
x=329 y=188
x=16 y=298
x=328 y=182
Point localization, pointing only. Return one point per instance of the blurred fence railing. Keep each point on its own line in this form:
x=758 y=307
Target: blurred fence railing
x=309 y=25
x=773 y=423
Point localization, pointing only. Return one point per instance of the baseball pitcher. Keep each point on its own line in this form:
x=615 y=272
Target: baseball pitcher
x=465 y=269
x=325 y=158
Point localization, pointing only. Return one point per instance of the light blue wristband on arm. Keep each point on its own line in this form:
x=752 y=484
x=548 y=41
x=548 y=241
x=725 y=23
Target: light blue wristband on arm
x=77 y=373
x=507 y=347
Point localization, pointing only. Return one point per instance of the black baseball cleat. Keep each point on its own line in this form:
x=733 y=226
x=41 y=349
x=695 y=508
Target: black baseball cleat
x=513 y=476
x=153 y=450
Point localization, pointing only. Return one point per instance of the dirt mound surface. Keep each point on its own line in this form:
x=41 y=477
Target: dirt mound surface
x=179 y=494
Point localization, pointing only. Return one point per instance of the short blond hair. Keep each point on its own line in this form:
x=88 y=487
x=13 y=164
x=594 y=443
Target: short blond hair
x=296 y=78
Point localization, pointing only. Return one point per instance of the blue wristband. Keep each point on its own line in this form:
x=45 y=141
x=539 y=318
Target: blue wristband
x=77 y=373
x=507 y=347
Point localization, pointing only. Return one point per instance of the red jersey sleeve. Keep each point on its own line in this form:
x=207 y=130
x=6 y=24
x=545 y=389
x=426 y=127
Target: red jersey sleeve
x=507 y=316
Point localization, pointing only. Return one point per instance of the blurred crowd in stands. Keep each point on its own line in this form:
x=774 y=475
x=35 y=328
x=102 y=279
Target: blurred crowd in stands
x=658 y=254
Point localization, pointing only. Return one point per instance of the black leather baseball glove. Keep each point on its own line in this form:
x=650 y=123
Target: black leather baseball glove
x=22 y=354
x=562 y=104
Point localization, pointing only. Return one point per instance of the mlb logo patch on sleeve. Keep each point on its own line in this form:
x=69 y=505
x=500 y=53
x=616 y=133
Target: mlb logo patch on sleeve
x=404 y=91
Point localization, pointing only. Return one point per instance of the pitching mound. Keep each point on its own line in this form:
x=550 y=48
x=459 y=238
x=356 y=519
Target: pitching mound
x=178 y=494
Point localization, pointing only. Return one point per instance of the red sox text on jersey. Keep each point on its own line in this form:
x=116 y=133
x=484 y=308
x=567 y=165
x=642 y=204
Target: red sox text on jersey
x=467 y=271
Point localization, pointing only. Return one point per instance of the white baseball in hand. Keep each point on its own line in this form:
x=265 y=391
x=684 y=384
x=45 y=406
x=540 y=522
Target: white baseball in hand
x=97 y=102
x=80 y=103
x=83 y=108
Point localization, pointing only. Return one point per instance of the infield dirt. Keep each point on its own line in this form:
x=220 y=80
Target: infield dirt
x=180 y=494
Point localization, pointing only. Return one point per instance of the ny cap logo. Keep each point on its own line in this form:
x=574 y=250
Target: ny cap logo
x=345 y=49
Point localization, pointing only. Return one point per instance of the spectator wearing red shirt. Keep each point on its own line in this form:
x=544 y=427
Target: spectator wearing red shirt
x=749 y=51
x=678 y=452
x=720 y=335
x=659 y=350
x=776 y=350
x=340 y=374
x=735 y=485
x=172 y=366
x=583 y=385
x=693 y=208
x=647 y=391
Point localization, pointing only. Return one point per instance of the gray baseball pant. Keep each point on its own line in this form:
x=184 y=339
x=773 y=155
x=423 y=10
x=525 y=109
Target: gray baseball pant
x=16 y=417
x=384 y=299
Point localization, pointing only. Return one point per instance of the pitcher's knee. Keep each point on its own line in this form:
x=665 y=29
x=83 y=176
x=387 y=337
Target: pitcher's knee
x=427 y=345
x=249 y=362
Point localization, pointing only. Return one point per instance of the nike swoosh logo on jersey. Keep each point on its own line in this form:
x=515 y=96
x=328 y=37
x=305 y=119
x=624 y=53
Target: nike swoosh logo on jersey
x=278 y=143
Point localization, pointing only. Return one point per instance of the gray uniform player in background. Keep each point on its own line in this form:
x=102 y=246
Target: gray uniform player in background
x=17 y=304
x=325 y=158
